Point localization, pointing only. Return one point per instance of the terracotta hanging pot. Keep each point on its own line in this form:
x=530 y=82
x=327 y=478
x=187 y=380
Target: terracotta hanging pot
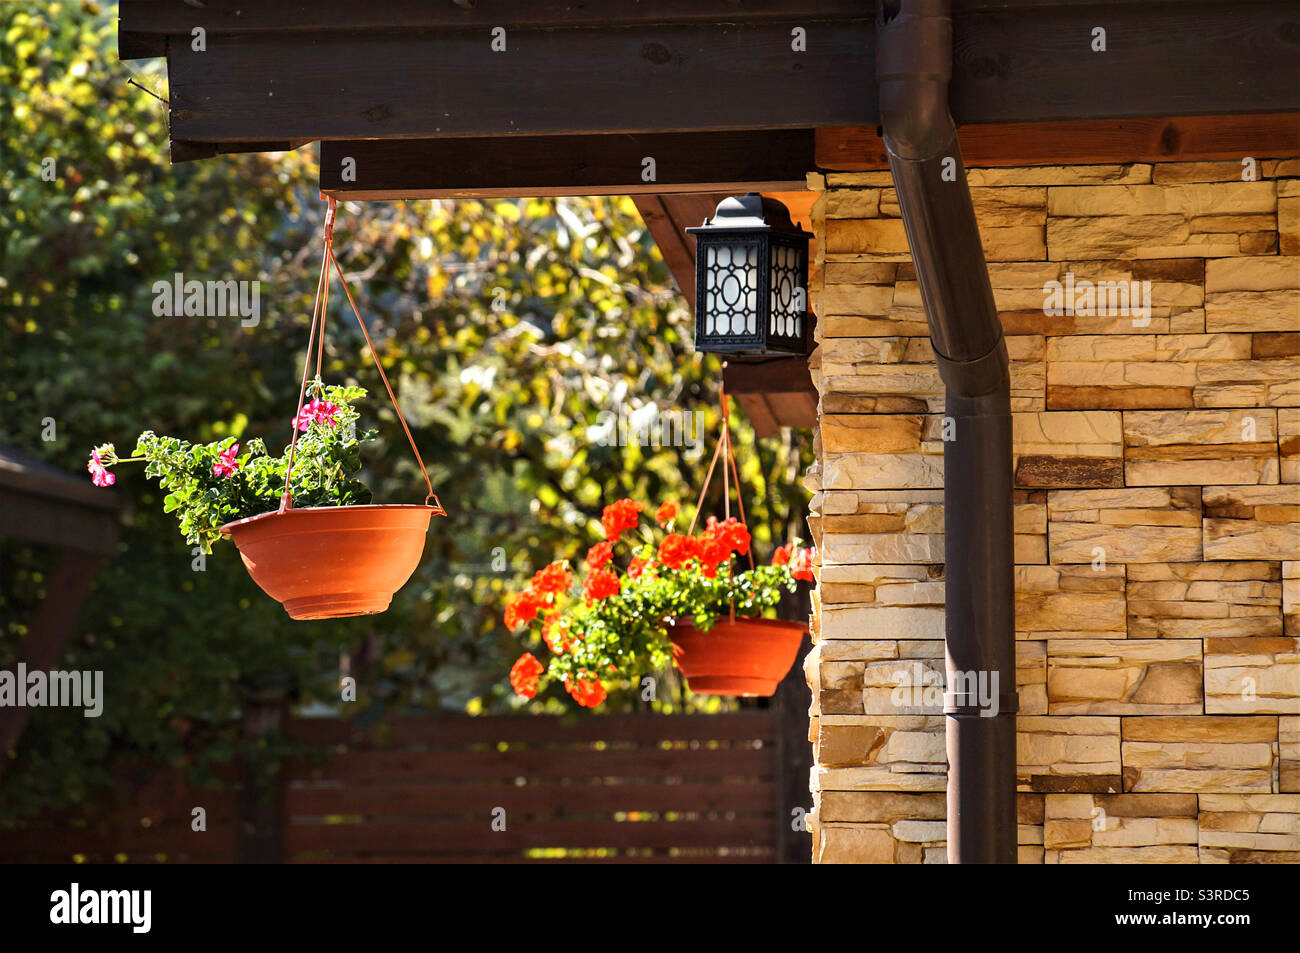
x=330 y=562
x=334 y=561
x=747 y=657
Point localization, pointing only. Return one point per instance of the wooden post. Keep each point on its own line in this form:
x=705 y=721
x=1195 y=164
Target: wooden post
x=53 y=619
x=261 y=796
x=793 y=752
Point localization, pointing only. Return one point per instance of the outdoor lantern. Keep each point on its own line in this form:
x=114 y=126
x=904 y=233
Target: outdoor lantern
x=751 y=279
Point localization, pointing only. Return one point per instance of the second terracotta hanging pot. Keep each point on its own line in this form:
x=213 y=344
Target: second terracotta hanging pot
x=747 y=657
x=333 y=561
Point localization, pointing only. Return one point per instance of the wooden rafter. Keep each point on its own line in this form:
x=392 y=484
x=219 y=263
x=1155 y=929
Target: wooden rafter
x=763 y=160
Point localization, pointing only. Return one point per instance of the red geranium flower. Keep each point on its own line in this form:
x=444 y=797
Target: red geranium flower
x=523 y=608
x=620 y=516
x=552 y=578
x=782 y=554
x=666 y=513
x=677 y=550
x=636 y=567
x=524 y=675
x=733 y=533
x=713 y=549
x=600 y=584
x=801 y=564
x=600 y=554
x=586 y=691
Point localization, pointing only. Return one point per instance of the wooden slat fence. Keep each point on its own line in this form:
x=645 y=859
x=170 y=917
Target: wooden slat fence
x=609 y=788
x=460 y=789
x=147 y=822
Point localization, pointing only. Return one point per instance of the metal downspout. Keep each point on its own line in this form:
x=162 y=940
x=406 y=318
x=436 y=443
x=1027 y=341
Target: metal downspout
x=913 y=67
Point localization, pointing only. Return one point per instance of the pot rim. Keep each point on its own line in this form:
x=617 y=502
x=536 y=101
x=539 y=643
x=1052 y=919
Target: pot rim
x=747 y=620
x=227 y=529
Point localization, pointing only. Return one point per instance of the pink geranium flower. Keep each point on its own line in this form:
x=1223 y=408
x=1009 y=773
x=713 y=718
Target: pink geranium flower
x=226 y=464
x=318 y=411
x=98 y=475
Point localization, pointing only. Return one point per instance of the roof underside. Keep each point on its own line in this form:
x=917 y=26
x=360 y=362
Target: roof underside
x=414 y=99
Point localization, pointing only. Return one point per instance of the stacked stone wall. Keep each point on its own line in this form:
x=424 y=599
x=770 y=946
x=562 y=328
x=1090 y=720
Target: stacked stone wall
x=1157 y=515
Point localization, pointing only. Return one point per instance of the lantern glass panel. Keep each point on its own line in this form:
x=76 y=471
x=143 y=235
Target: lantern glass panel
x=787 y=298
x=731 y=288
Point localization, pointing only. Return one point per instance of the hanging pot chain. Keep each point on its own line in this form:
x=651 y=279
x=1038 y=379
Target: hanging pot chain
x=313 y=343
x=729 y=471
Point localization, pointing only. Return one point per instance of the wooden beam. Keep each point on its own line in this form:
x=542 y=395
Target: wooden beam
x=261 y=796
x=678 y=251
x=772 y=161
x=161 y=18
x=767 y=160
x=759 y=414
x=792 y=751
x=182 y=151
x=773 y=393
x=780 y=375
x=147 y=23
x=762 y=160
x=795 y=409
x=55 y=522
x=1173 y=139
x=271 y=72
x=417 y=84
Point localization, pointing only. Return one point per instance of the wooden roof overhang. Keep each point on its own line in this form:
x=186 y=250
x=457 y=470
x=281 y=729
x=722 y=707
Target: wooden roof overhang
x=713 y=90
x=276 y=72
x=42 y=504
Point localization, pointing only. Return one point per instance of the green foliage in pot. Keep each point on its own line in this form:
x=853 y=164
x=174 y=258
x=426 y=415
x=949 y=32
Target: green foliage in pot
x=210 y=485
x=616 y=629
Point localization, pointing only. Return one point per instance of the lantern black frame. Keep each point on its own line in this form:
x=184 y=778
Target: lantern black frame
x=764 y=223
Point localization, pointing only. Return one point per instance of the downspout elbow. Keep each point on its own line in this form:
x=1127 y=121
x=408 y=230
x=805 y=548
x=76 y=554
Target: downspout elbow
x=913 y=69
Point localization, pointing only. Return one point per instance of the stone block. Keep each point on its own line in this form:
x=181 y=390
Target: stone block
x=1126 y=526
x=1124 y=677
x=1250 y=828
x=1179 y=447
x=1068 y=449
x=1252 y=522
x=1202 y=600
x=1200 y=754
x=1068 y=602
x=1252 y=676
x=882 y=753
x=1120 y=828
x=1068 y=753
